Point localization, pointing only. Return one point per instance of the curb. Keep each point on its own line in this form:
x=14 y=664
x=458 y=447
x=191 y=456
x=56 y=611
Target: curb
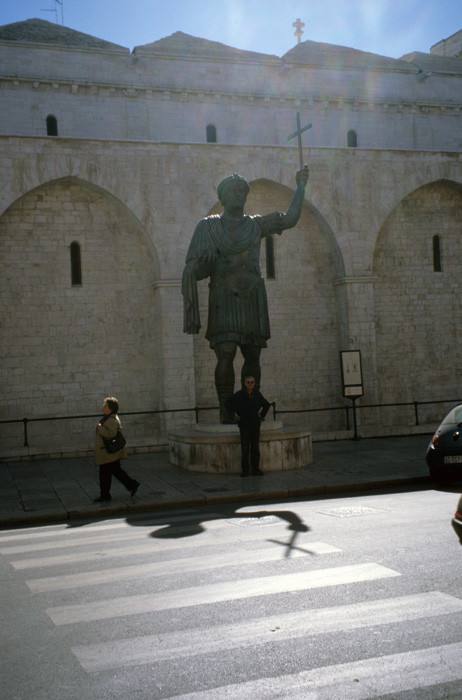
x=42 y=518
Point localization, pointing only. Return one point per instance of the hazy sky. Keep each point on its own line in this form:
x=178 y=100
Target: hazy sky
x=387 y=27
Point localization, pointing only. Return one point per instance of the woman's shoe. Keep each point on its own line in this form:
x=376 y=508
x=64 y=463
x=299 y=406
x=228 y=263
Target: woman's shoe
x=102 y=499
x=134 y=488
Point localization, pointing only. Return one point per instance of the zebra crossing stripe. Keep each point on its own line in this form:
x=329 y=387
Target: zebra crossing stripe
x=210 y=538
x=175 y=566
x=303 y=623
x=358 y=680
x=56 y=531
x=141 y=521
x=220 y=592
x=99 y=533
x=61 y=544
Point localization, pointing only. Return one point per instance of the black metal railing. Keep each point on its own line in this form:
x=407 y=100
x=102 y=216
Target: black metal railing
x=415 y=405
x=346 y=409
x=276 y=412
x=26 y=421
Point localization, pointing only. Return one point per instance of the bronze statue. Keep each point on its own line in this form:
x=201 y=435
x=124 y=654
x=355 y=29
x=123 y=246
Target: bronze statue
x=226 y=248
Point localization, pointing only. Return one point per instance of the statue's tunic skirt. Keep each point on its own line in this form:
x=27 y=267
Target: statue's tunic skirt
x=239 y=316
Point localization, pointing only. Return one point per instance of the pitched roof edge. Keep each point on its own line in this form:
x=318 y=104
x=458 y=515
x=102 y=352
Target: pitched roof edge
x=198 y=47
x=41 y=32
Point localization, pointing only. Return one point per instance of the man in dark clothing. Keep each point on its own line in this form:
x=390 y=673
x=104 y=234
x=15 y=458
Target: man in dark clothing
x=251 y=407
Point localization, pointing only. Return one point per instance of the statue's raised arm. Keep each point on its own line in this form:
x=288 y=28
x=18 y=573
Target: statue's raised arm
x=292 y=215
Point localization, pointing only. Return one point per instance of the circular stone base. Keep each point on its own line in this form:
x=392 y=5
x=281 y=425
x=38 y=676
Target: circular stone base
x=218 y=451
x=231 y=428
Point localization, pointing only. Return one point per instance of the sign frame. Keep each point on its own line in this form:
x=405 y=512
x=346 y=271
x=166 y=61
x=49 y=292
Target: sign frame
x=352 y=374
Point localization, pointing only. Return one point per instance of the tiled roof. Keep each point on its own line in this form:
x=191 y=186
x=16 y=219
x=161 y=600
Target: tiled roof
x=315 y=53
x=39 y=31
x=180 y=44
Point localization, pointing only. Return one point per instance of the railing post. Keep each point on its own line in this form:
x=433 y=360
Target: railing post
x=274 y=410
x=416 y=411
x=25 y=420
x=196 y=411
x=347 y=410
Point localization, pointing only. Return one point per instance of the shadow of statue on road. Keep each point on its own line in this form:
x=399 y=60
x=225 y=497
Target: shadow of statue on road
x=194 y=523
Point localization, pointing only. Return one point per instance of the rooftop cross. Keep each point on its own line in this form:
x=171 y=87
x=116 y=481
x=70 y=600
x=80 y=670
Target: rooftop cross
x=299 y=133
x=298 y=24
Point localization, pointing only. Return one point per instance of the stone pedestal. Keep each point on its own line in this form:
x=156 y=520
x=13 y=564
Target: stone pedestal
x=216 y=448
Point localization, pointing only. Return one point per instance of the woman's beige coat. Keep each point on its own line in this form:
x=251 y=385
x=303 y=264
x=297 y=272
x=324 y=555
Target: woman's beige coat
x=108 y=430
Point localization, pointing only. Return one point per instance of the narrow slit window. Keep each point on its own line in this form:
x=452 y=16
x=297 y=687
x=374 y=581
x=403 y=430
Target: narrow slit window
x=76 y=265
x=211 y=133
x=436 y=254
x=352 y=139
x=52 y=125
x=270 y=267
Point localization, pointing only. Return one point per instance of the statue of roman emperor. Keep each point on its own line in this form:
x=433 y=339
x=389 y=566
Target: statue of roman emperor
x=226 y=248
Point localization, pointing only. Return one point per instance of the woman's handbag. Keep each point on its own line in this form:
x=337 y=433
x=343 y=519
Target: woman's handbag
x=116 y=443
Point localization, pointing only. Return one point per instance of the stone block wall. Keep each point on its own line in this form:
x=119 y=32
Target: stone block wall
x=165 y=116
x=417 y=316
x=68 y=346
x=109 y=93
x=356 y=273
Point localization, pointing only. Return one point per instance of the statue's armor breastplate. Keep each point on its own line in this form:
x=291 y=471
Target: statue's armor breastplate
x=239 y=272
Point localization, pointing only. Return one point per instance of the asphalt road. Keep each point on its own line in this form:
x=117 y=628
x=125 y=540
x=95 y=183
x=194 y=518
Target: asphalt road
x=349 y=598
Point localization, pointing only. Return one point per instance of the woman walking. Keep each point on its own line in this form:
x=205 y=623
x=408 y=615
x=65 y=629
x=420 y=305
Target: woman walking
x=109 y=463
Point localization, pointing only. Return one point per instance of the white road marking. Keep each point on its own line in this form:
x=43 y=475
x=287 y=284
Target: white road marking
x=359 y=680
x=215 y=593
x=304 y=623
x=175 y=566
x=82 y=527
x=85 y=538
x=152 y=545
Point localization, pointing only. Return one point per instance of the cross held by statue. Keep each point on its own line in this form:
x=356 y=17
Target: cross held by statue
x=299 y=133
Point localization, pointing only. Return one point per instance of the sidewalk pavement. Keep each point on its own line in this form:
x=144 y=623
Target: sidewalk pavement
x=57 y=490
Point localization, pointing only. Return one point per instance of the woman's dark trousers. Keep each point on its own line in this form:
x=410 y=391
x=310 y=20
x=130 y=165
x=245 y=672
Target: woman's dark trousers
x=107 y=471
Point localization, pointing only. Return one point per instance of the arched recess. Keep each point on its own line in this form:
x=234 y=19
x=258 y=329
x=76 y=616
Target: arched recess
x=87 y=185
x=66 y=346
x=417 y=309
x=300 y=367
x=404 y=186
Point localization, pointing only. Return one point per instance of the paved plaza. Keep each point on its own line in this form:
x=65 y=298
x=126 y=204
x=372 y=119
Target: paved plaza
x=57 y=490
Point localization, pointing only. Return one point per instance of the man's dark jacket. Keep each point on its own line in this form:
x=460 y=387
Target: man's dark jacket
x=247 y=408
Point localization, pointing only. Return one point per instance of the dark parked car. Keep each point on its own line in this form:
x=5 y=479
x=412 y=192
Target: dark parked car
x=457 y=521
x=444 y=453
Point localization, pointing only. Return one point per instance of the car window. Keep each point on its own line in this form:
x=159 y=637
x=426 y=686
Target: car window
x=454 y=416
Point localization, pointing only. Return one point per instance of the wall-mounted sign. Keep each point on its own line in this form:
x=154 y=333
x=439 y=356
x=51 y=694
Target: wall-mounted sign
x=352 y=374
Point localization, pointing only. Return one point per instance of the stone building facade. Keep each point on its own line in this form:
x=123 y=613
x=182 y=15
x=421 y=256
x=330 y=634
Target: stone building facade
x=109 y=159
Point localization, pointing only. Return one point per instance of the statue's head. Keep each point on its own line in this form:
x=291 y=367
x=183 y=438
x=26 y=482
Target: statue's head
x=228 y=182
